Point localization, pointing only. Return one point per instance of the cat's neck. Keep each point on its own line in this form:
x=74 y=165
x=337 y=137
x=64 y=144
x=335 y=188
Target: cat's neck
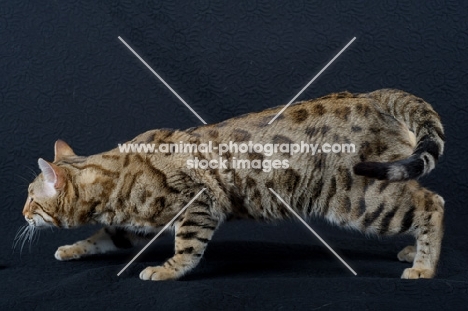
x=92 y=181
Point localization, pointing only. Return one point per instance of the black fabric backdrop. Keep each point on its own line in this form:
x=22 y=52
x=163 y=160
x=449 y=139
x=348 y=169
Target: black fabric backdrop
x=64 y=74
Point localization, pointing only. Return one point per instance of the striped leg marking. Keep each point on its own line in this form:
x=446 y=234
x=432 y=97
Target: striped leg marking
x=192 y=235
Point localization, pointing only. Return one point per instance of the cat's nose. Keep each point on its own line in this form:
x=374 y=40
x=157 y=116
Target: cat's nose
x=27 y=215
x=26 y=207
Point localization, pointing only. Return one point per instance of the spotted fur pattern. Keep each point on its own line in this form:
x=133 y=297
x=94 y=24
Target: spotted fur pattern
x=372 y=190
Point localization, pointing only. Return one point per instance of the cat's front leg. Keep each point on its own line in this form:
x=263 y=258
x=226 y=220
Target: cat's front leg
x=105 y=240
x=192 y=235
x=407 y=254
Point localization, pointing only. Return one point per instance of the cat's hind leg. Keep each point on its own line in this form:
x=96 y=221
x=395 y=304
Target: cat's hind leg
x=428 y=224
x=192 y=234
x=406 y=208
x=105 y=240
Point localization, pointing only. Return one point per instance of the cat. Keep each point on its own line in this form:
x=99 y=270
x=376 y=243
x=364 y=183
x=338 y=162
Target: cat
x=398 y=138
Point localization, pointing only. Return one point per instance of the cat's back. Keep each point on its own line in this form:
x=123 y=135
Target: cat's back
x=340 y=118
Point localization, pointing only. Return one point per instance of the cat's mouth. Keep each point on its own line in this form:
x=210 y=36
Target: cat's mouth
x=30 y=221
x=28 y=233
x=37 y=221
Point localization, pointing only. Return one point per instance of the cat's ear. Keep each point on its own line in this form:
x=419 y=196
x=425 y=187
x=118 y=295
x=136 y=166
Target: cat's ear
x=62 y=150
x=54 y=176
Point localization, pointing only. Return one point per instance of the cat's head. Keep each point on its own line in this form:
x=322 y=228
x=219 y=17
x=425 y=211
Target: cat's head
x=51 y=196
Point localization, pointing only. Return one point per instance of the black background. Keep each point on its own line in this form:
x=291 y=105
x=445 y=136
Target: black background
x=64 y=74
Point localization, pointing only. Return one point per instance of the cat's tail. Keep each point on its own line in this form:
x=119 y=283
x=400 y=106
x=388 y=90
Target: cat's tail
x=423 y=121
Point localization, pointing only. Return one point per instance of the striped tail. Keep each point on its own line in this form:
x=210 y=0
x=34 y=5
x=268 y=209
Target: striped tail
x=423 y=121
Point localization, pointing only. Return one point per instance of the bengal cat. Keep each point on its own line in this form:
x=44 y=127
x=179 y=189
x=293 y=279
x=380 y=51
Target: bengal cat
x=398 y=138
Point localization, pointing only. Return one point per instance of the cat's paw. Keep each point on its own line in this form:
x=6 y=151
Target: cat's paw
x=407 y=254
x=158 y=273
x=69 y=252
x=417 y=273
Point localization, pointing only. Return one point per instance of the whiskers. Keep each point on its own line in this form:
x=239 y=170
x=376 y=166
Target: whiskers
x=25 y=234
x=25 y=181
x=32 y=171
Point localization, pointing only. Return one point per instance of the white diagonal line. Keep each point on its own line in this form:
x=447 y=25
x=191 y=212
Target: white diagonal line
x=161 y=231
x=161 y=79
x=312 y=230
x=313 y=79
